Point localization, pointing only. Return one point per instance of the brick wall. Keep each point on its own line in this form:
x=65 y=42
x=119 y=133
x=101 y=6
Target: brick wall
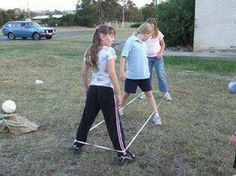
x=215 y=25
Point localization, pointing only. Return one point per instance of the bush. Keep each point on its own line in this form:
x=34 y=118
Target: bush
x=69 y=20
x=135 y=25
x=176 y=20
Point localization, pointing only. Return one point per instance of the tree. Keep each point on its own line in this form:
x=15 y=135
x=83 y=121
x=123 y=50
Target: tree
x=176 y=20
x=104 y=14
x=3 y=17
x=85 y=13
x=13 y=14
x=149 y=10
x=132 y=13
x=68 y=20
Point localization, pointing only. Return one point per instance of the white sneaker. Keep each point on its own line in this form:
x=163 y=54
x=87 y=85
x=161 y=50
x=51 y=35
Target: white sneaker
x=157 y=119
x=121 y=113
x=142 y=96
x=167 y=96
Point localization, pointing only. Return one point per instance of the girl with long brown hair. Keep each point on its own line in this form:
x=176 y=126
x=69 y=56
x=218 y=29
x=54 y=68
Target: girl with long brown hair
x=103 y=93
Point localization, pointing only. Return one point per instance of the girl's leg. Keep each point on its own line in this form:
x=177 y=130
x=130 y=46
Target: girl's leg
x=150 y=64
x=234 y=166
x=125 y=97
x=161 y=75
x=91 y=110
x=151 y=100
x=109 y=109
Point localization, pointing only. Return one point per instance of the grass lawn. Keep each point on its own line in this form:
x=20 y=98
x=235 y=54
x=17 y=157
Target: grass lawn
x=193 y=139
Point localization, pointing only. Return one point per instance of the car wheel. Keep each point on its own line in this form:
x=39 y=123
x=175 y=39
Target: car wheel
x=11 y=36
x=49 y=37
x=36 y=36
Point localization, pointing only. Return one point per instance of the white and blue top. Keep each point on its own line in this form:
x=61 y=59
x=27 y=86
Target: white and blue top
x=135 y=52
x=100 y=75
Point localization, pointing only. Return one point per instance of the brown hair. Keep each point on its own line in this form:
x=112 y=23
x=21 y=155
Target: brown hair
x=93 y=50
x=155 y=30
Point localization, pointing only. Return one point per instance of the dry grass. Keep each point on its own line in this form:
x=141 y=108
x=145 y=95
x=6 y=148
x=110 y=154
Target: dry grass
x=192 y=140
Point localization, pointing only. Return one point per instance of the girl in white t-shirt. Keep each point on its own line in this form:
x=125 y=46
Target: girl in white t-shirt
x=155 y=49
x=100 y=58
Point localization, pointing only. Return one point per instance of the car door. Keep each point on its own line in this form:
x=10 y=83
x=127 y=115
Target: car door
x=16 y=29
x=25 y=29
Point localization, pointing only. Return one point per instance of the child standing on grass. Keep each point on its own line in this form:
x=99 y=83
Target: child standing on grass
x=100 y=94
x=155 y=49
x=137 y=71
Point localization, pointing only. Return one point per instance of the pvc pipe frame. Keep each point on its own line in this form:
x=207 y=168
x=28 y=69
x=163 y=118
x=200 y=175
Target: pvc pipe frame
x=121 y=151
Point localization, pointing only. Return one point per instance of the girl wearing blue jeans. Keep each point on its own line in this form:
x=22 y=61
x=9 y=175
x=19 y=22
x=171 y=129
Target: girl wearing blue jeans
x=155 y=49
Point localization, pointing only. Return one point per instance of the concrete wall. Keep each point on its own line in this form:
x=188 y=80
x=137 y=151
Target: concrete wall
x=215 y=25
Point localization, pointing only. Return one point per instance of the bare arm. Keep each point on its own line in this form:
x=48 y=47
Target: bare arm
x=122 y=68
x=85 y=69
x=163 y=45
x=114 y=80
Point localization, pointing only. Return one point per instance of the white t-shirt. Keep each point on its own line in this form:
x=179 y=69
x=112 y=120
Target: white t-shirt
x=100 y=75
x=153 y=45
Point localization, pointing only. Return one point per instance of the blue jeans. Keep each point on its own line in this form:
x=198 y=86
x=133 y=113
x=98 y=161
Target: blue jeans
x=158 y=63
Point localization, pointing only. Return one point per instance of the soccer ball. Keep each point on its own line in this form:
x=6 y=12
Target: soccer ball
x=9 y=106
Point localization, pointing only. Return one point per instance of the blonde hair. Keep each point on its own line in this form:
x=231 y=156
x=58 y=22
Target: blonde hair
x=155 y=30
x=145 y=28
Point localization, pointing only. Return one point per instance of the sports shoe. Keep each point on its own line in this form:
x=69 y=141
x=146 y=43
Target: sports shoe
x=76 y=147
x=167 y=96
x=126 y=159
x=157 y=119
x=142 y=96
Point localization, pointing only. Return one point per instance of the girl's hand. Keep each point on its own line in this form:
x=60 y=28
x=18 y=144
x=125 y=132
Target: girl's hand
x=119 y=100
x=232 y=140
x=123 y=77
x=159 y=55
x=119 y=103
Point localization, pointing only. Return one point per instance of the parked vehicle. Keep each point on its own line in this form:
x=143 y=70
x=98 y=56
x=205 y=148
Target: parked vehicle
x=27 y=29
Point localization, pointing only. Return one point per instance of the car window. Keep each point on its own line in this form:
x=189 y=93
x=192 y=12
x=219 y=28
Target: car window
x=9 y=25
x=23 y=25
x=35 y=24
x=29 y=25
x=16 y=25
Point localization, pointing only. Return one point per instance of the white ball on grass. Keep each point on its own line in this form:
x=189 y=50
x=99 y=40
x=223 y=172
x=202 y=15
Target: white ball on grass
x=9 y=106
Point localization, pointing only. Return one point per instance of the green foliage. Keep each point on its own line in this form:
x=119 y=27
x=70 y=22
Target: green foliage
x=135 y=25
x=176 y=21
x=148 y=11
x=3 y=17
x=132 y=13
x=91 y=12
x=102 y=13
x=68 y=20
x=15 y=14
x=85 y=13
